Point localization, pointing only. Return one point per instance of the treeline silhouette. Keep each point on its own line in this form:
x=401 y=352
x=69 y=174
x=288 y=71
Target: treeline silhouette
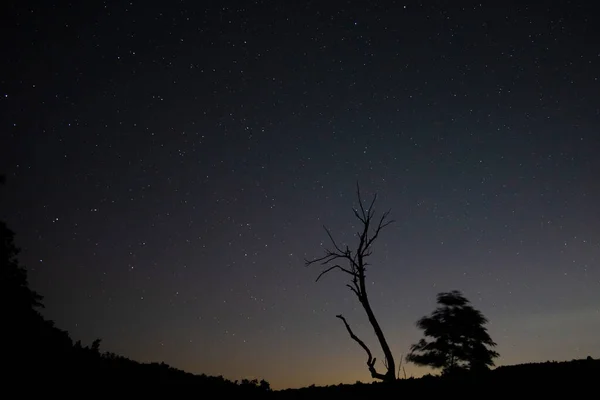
x=35 y=350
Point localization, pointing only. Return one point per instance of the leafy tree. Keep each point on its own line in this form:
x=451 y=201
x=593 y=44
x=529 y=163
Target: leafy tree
x=30 y=339
x=355 y=261
x=264 y=385
x=15 y=286
x=459 y=339
x=14 y=276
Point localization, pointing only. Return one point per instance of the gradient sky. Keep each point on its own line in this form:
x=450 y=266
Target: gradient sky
x=171 y=164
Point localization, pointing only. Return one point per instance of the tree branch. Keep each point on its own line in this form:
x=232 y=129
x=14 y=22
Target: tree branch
x=362 y=208
x=358 y=216
x=331 y=255
x=354 y=290
x=334 y=267
x=382 y=224
x=333 y=240
x=371 y=210
x=371 y=361
x=326 y=259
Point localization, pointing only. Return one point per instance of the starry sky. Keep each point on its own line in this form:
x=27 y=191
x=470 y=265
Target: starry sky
x=170 y=165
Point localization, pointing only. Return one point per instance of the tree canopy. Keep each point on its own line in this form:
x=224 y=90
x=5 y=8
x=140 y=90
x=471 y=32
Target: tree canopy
x=459 y=339
x=14 y=276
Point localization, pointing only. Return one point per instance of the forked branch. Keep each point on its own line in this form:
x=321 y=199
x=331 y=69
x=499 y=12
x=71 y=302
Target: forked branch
x=370 y=361
x=355 y=258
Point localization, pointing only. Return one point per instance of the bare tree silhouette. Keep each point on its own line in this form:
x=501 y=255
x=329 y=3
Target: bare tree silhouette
x=356 y=266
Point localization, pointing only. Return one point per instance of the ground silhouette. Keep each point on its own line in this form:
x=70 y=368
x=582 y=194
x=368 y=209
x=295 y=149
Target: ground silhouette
x=576 y=377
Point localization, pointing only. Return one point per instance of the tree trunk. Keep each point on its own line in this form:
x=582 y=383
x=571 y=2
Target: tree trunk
x=390 y=374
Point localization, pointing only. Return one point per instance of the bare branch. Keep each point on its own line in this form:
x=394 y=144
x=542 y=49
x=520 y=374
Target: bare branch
x=365 y=215
x=382 y=224
x=369 y=212
x=334 y=267
x=357 y=289
x=363 y=238
x=327 y=258
x=330 y=256
x=332 y=240
x=359 y=198
x=356 y=338
x=371 y=361
x=371 y=209
x=357 y=215
x=354 y=290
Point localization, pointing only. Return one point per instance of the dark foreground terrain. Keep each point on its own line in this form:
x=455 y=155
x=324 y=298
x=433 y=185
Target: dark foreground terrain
x=85 y=367
x=40 y=358
x=571 y=378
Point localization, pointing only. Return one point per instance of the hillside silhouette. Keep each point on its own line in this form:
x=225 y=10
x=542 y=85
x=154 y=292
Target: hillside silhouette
x=38 y=351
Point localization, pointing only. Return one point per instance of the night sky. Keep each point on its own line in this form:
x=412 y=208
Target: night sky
x=170 y=165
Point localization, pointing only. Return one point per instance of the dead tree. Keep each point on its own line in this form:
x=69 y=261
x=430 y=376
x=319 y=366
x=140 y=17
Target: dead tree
x=355 y=266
